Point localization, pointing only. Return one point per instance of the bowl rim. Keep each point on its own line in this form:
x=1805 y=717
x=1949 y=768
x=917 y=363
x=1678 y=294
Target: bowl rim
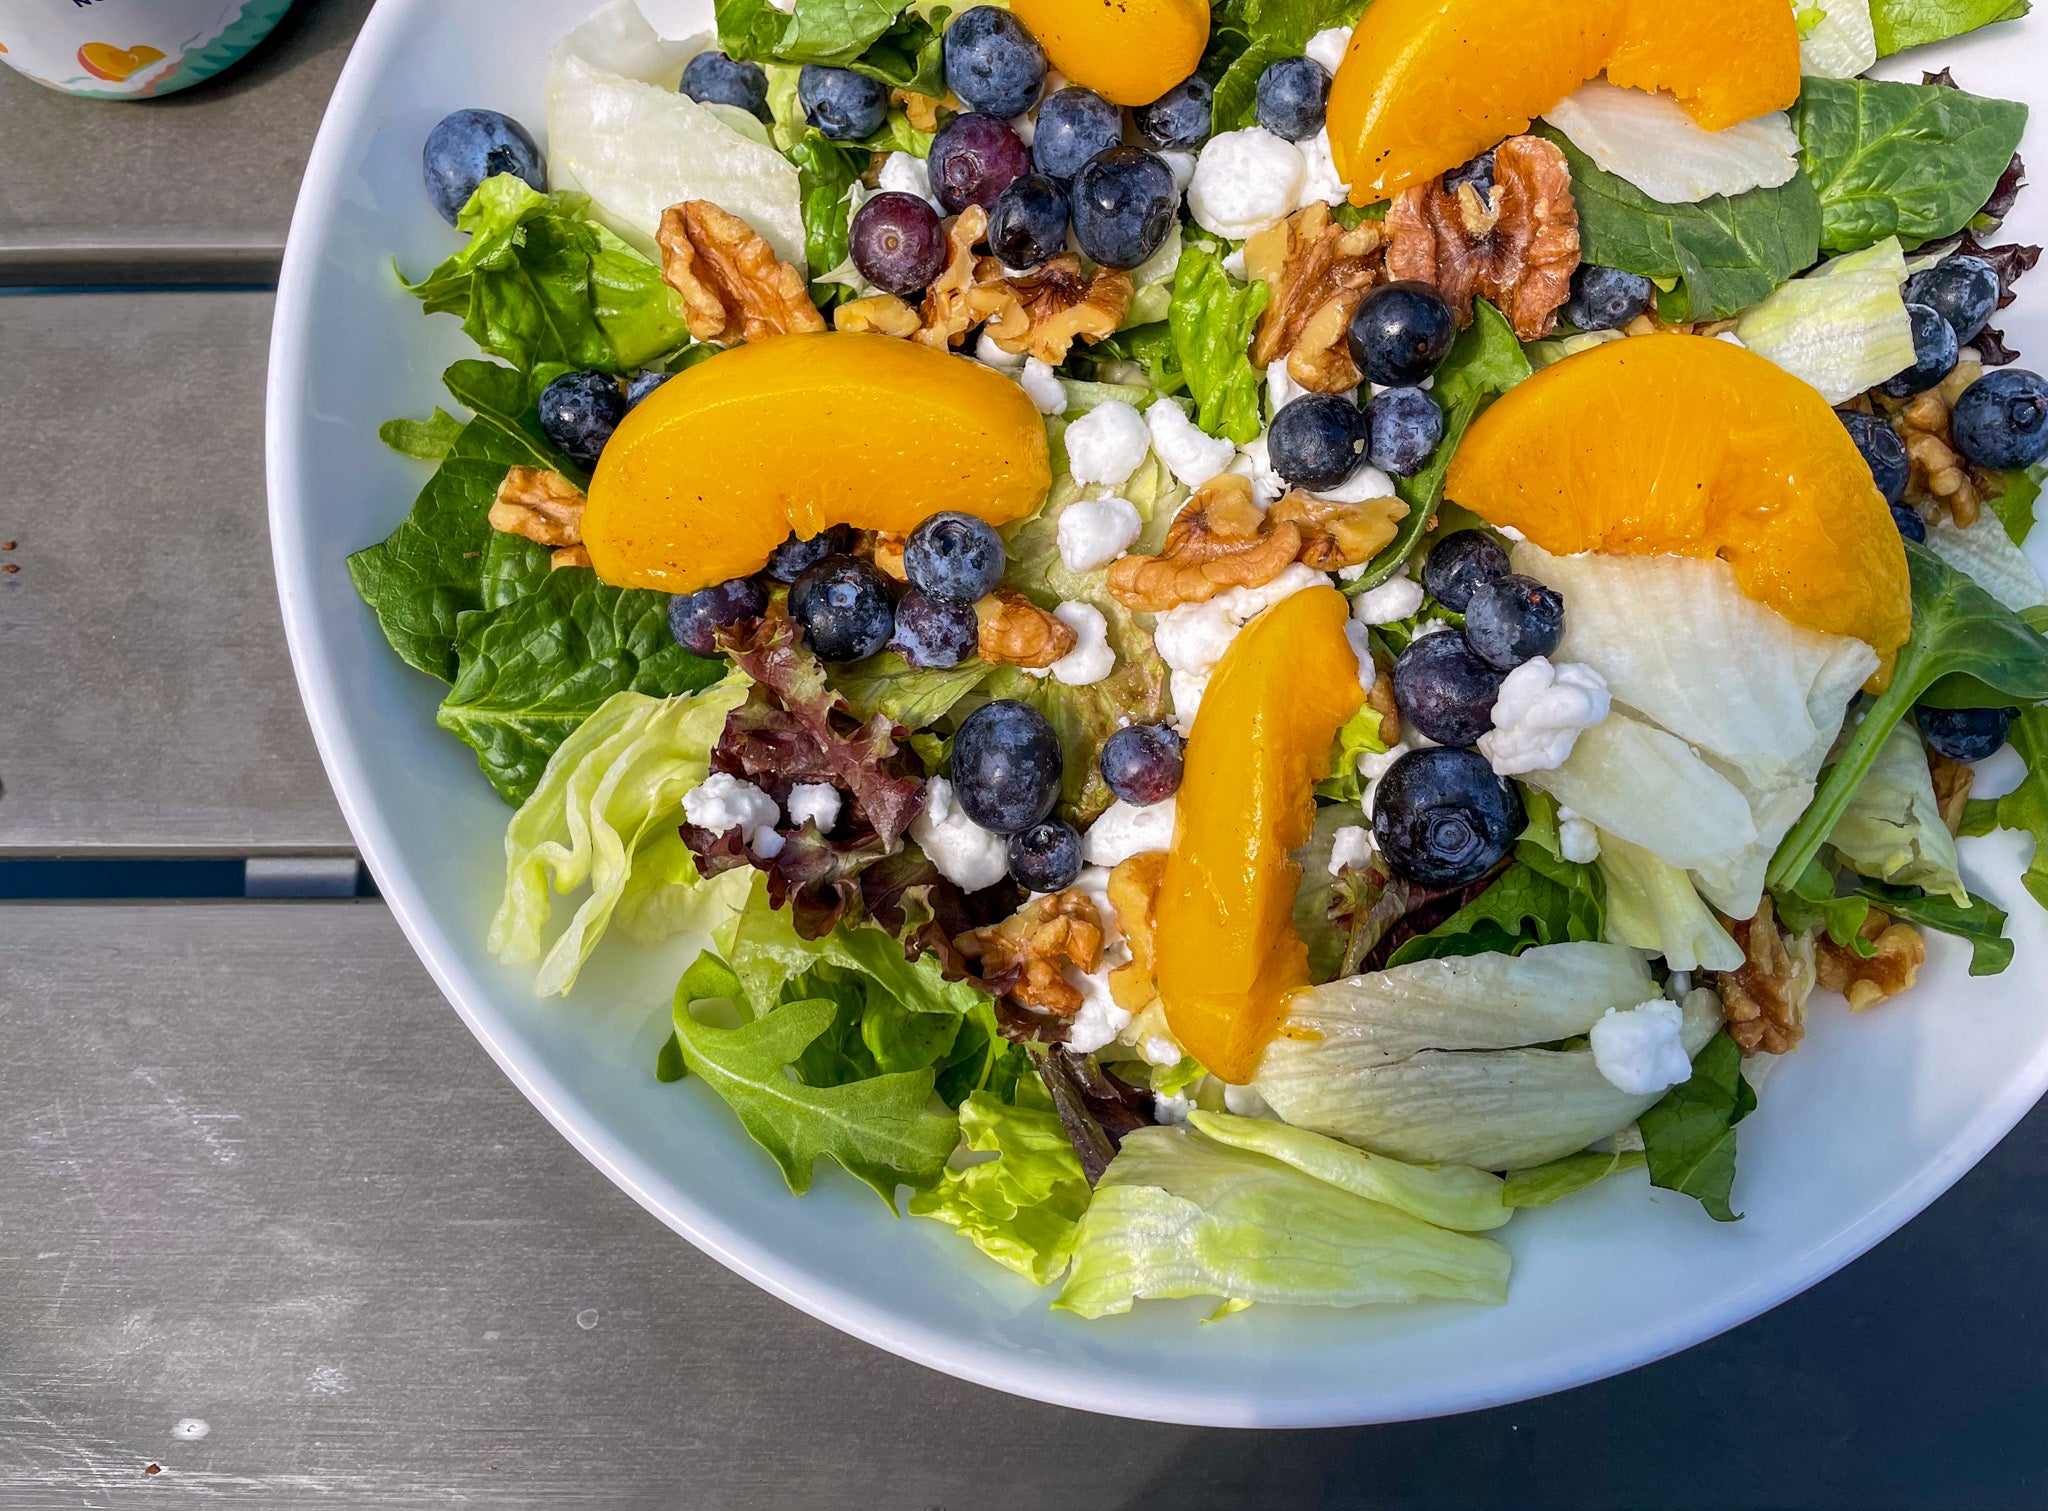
x=1151 y=1398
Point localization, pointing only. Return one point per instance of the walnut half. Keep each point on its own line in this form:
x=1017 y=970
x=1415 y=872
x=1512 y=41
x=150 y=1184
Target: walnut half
x=733 y=286
x=1337 y=535
x=1869 y=980
x=1765 y=1000
x=1220 y=540
x=541 y=505
x=1045 y=311
x=1014 y=631
x=1024 y=957
x=1318 y=273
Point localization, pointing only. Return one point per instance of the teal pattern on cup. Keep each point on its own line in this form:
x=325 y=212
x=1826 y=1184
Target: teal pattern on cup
x=130 y=49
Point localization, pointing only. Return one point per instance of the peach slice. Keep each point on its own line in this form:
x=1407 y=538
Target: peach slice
x=1128 y=51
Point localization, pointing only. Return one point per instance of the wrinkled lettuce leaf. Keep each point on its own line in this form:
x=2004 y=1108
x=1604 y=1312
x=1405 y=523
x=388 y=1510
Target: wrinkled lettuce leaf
x=912 y=697
x=1023 y=1207
x=1541 y=1185
x=1985 y=553
x=1843 y=327
x=1359 y=735
x=1900 y=24
x=825 y=171
x=1213 y=318
x=1648 y=140
x=1892 y=829
x=1652 y=905
x=1179 y=1214
x=1841 y=42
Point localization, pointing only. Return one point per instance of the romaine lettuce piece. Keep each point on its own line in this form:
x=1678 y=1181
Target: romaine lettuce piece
x=1022 y=1207
x=1986 y=555
x=1843 y=327
x=1178 y=1214
x=1840 y=43
x=1652 y=905
x=1648 y=140
x=1892 y=829
x=1630 y=778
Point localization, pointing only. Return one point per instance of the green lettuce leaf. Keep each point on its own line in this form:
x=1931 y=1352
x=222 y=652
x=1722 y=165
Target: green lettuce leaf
x=1901 y=24
x=1842 y=328
x=1541 y=898
x=1726 y=253
x=1892 y=830
x=2025 y=808
x=1179 y=1214
x=825 y=171
x=1213 y=318
x=911 y=696
x=910 y=55
x=1358 y=736
x=1689 y=1137
x=429 y=440
x=1023 y=1207
x=529 y=673
x=1544 y=1184
x=817 y=31
x=1914 y=161
x=614 y=784
x=2014 y=505
x=1654 y=906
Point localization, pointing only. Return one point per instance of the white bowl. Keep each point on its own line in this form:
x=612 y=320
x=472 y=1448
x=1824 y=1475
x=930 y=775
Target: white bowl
x=1867 y=1124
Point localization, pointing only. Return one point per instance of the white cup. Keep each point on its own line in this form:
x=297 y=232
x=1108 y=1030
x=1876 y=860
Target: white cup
x=130 y=49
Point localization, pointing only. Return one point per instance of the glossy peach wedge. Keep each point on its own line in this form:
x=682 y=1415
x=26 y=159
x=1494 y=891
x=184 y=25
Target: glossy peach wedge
x=1128 y=51
x=1727 y=62
x=1226 y=956
x=715 y=468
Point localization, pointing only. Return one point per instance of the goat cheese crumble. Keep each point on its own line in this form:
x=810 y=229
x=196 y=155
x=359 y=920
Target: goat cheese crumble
x=966 y=854
x=903 y=174
x=722 y=802
x=1327 y=47
x=1350 y=846
x=1093 y=532
x=988 y=354
x=1043 y=388
x=1392 y=601
x=1538 y=714
x=1091 y=659
x=1190 y=453
x=1577 y=840
x=1192 y=638
x=1125 y=829
x=816 y=801
x=1640 y=1050
x=1107 y=444
x=1245 y=181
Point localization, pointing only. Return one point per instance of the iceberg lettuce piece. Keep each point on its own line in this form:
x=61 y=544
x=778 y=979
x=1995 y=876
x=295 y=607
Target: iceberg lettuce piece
x=1178 y=1214
x=1021 y=1208
x=1437 y=1061
x=1841 y=44
x=613 y=786
x=1892 y=829
x=1654 y=906
x=1985 y=554
x=1649 y=140
x=1630 y=778
x=1842 y=328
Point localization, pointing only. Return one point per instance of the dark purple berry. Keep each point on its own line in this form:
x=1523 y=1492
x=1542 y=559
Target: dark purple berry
x=1443 y=689
x=1123 y=204
x=643 y=383
x=844 y=607
x=1442 y=818
x=1966 y=734
x=693 y=616
x=2001 y=421
x=1882 y=450
x=932 y=633
x=1073 y=125
x=1406 y=427
x=897 y=243
x=973 y=159
x=1962 y=289
x=1292 y=96
x=954 y=557
x=992 y=62
x=844 y=105
x=1182 y=118
x=1029 y=222
x=790 y=560
x=1142 y=763
x=1006 y=766
x=1047 y=856
x=472 y=145
x=1606 y=299
x=1513 y=619
x=1935 y=351
x=711 y=78
x=1401 y=332
x=1317 y=440
x=1478 y=173
x=1910 y=524
x=1459 y=563
x=579 y=412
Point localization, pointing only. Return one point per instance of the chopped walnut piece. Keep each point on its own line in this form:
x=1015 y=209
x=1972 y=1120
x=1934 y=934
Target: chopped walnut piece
x=888 y=554
x=922 y=110
x=541 y=505
x=1869 y=980
x=882 y=313
x=1518 y=248
x=1337 y=535
x=1316 y=272
x=569 y=556
x=949 y=302
x=1220 y=540
x=1134 y=894
x=1059 y=304
x=733 y=286
x=1940 y=477
x=1952 y=782
x=1024 y=956
x=1380 y=699
x=1017 y=632
x=1765 y=1000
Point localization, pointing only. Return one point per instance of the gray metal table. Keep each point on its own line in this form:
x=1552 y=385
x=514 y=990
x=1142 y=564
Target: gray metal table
x=254 y=1174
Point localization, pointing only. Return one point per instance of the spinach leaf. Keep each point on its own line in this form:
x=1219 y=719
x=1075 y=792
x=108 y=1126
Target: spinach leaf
x=1727 y=252
x=1484 y=363
x=910 y=55
x=1540 y=1185
x=825 y=170
x=1967 y=651
x=1689 y=1137
x=1914 y=161
x=1212 y=318
x=2025 y=808
x=817 y=31
x=1901 y=24
x=1812 y=898
x=430 y=440
x=880 y=1128
x=530 y=672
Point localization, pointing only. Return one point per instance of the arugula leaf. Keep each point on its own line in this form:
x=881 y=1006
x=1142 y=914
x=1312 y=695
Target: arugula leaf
x=532 y=671
x=1812 y=898
x=1212 y=318
x=430 y=439
x=1901 y=24
x=1914 y=161
x=1540 y=1185
x=1967 y=651
x=1727 y=252
x=1689 y=1137
x=817 y=31
x=1484 y=363
x=2025 y=808
x=1023 y=1207
x=881 y=1129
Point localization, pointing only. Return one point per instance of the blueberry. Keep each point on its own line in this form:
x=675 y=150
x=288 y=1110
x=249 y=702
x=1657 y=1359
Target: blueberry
x=992 y=62
x=1935 y=350
x=1444 y=689
x=579 y=412
x=1123 y=203
x=2001 y=421
x=643 y=383
x=844 y=105
x=1910 y=524
x=714 y=79
x=1073 y=126
x=1006 y=766
x=1442 y=818
x=1292 y=96
x=472 y=145
x=1401 y=332
x=1478 y=173
x=844 y=608
x=1317 y=440
x=1029 y=222
x=973 y=159
x=955 y=557
x=1966 y=734
x=1406 y=428
x=897 y=243
x=930 y=632
x=1046 y=857
x=1882 y=449
x=693 y=616
x=790 y=560
x=1142 y=763
x=1181 y=118
x=1512 y=619
x=1962 y=289
x=1459 y=563
x=1606 y=299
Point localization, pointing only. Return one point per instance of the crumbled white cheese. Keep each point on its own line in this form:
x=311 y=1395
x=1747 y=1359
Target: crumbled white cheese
x=1328 y=48
x=1100 y=1020
x=1359 y=638
x=1366 y=481
x=1190 y=453
x=1245 y=1102
x=1181 y=165
x=1320 y=181
x=1255 y=461
x=1192 y=638
x=1677 y=984
x=1043 y=388
x=816 y=801
x=988 y=354
x=1106 y=444
x=1640 y=1050
x=1538 y=714
x=966 y=854
x=1281 y=389
x=1093 y=532
x=1024 y=125
x=1125 y=829
x=1233 y=264
x=1350 y=846
x=1511 y=532
x=1091 y=659
x=904 y=174
x=1157 y=1049
x=1577 y=840
x=1245 y=181
x=1392 y=601
x=722 y=802
x=1170 y=1110
x=1373 y=764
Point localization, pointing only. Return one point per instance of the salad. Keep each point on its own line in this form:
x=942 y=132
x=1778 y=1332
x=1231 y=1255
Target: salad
x=1258 y=632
